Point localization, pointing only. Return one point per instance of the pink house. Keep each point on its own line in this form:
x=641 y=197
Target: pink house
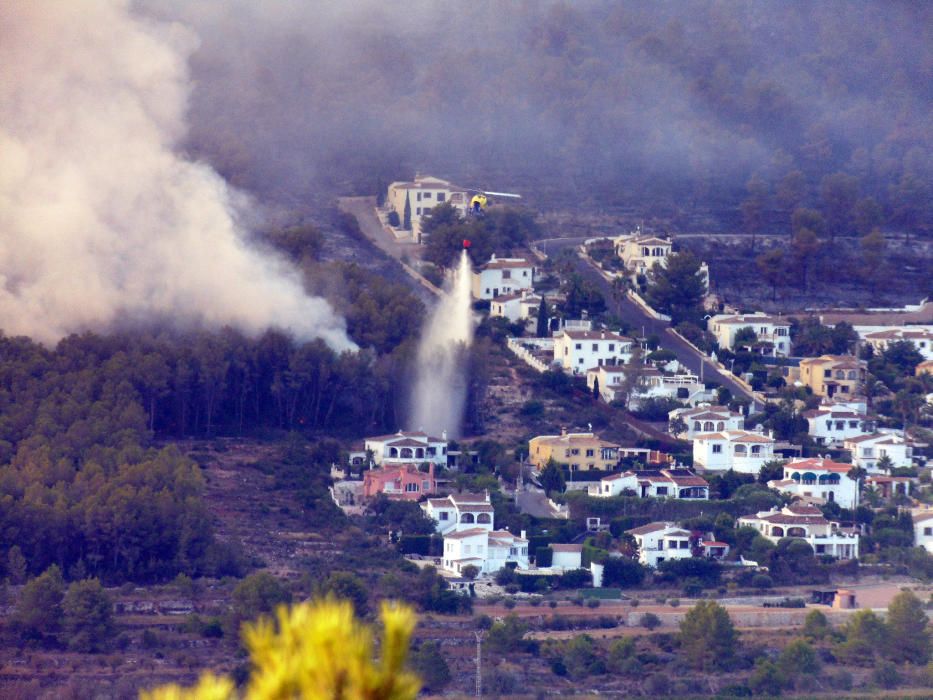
x=404 y=482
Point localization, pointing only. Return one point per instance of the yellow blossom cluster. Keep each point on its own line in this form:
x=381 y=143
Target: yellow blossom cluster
x=316 y=651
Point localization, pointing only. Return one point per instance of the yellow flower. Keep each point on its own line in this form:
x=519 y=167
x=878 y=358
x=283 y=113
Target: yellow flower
x=318 y=651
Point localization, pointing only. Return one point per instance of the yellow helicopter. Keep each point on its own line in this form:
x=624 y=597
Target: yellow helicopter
x=481 y=200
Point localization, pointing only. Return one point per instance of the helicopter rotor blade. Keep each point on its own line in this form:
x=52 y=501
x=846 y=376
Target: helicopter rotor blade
x=503 y=194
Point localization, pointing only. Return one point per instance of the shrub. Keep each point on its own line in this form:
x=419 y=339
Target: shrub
x=509 y=603
x=886 y=675
x=552 y=603
x=650 y=621
x=762 y=581
x=592 y=603
x=674 y=602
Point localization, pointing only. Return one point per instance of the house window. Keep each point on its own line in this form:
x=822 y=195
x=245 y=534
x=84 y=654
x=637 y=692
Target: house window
x=612 y=347
x=506 y=274
x=411 y=488
x=590 y=452
x=575 y=451
x=928 y=531
x=827 y=373
x=717 y=449
x=578 y=346
x=419 y=199
x=441 y=196
x=684 y=544
x=427 y=195
x=662 y=490
x=418 y=211
x=595 y=347
x=443 y=515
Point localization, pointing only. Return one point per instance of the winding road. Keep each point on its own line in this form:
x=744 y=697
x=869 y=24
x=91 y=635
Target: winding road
x=636 y=317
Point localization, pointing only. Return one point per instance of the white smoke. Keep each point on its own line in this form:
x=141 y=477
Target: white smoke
x=100 y=217
x=440 y=387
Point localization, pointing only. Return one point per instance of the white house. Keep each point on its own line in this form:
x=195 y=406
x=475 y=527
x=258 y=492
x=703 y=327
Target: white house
x=744 y=451
x=773 y=330
x=405 y=447
x=578 y=351
x=487 y=550
x=651 y=483
x=921 y=337
x=889 y=486
x=515 y=307
x=567 y=556
x=923 y=530
x=659 y=542
x=833 y=423
x=682 y=386
x=652 y=384
x=503 y=276
x=867 y=450
x=806 y=523
x=640 y=252
x=422 y=196
x=461 y=511
x=705 y=418
x=820 y=480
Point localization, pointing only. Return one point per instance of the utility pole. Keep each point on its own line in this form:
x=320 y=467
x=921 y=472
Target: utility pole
x=479 y=664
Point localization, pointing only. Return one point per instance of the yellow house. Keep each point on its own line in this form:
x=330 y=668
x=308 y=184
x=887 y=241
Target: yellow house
x=579 y=451
x=833 y=375
x=925 y=367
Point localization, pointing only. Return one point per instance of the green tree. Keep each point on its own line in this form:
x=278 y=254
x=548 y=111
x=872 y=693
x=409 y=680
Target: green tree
x=808 y=219
x=816 y=626
x=506 y=636
x=580 y=658
x=745 y=336
x=431 y=666
x=16 y=565
x=707 y=636
x=406 y=216
x=257 y=594
x=767 y=678
x=348 y=586
x=804 y=247
x=552 y=478
x=469 y=572
x=543 y=328
x=38 y=614
x=864 y=636
x=908 y=638
x=678 y=289
x=839 y=193
x=88 y=616
x=867 y=216
x=790 y=192
x=799 y=657
x=772 y=267
x=620 y=651
x=753 y=207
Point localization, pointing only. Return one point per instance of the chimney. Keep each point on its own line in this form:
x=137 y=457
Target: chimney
x=523 y=535
x=603 y=335
x=563 y=431
x=444 y=435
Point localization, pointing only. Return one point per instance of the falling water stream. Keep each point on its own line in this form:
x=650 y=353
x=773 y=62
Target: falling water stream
x=439 y=394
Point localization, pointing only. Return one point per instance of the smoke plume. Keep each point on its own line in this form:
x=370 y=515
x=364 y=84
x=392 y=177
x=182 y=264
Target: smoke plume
x=101 y=217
